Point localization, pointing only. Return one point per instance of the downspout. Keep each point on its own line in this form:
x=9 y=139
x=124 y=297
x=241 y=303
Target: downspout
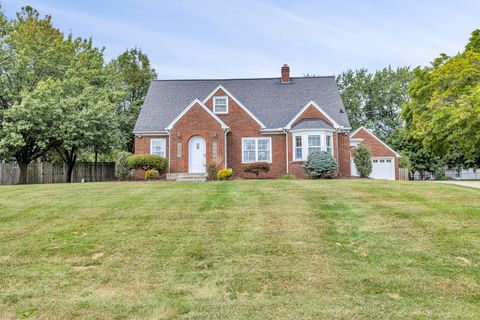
x=336 y=147
x=225 y=147
x=286 y=148
x=169 y=148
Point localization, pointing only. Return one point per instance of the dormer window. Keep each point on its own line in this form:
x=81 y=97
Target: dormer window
x=220 y=105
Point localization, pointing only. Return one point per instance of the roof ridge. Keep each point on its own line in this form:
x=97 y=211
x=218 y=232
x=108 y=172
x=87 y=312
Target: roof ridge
x=227 y=79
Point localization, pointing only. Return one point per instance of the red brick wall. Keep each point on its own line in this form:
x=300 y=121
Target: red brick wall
x=142 y=146
x=312 y=112
x=377 y=148
x=196 y=122
x=243 y=125
x=343 y=158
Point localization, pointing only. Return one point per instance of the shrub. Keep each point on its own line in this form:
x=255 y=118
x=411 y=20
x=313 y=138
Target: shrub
x=148 y=162
x=224 y=174
x=286 y=177
x=363 y=160
x=256 y=168
x=122 y=169
x=212 y=170
x=321 y=164
x=152 y=174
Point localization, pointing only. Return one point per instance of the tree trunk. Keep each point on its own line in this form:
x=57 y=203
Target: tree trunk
x=23 y=172
x=70 y=166
x=131 y=145
x=95 y=167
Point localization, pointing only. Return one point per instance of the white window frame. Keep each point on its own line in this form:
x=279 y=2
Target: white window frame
x=295 y=147
x=256 y=149
x=323 y=142
x=164 y=141
x=215 y=104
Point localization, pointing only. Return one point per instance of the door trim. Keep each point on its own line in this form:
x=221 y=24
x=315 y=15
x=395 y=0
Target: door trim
x=190 y=158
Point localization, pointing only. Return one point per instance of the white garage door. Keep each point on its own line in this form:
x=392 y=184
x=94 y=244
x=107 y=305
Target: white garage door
x=383 y=168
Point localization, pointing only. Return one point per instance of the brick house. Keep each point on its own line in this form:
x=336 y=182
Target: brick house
x=237 y=121
x=384 y=158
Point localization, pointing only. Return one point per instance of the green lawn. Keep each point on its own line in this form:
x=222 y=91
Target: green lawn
x=337 y=249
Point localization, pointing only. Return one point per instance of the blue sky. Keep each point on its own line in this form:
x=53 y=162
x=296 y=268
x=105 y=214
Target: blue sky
x=227 y=39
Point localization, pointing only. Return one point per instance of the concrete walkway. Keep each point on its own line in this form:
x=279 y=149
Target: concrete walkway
x=473 y=184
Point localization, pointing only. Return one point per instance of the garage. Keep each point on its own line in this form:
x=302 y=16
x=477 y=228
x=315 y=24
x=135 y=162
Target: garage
x=383 y=168
x=384 y=158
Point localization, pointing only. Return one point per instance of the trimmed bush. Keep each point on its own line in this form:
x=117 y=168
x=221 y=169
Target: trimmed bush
x=321 y=164
x=363 y=160
x=212 y=170
x=224 y=174
x=148 y=162
x=152 y=174
x=256 y=168
x=122 y=169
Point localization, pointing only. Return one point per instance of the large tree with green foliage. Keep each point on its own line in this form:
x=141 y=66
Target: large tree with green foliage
x=57 y=93
x=135 y=75
x=31 y=51
x=375 y=100
x=444 y=111
x=87 y=101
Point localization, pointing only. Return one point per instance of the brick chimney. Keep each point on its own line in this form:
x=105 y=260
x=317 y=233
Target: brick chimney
x=285 y=74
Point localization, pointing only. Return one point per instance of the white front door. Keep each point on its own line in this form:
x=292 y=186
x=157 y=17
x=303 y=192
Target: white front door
x=197 y=155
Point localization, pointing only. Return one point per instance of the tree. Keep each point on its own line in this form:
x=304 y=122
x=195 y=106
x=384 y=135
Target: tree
x=122 y=170
x=321 y=164
x=363 y=161
x=375 y=100
x=135 y=75
x=88 y=111
x=444 y=111
x=32 y=51
x=26 y=127
x=413 y=155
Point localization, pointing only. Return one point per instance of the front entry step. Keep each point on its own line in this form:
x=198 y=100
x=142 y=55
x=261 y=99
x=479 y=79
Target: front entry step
x=187 y=177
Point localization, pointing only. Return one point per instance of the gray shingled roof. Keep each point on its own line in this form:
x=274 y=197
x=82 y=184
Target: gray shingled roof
x=272 y=102
x=312 y=124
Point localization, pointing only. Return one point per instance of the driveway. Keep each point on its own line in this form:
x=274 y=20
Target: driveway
x=473 y=184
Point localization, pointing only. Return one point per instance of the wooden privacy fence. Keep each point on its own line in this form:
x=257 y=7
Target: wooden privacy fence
x=403 y=174
x=47 y=172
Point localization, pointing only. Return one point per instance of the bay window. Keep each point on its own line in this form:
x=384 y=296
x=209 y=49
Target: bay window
x=314 y=143
x=328 y=143
x=256 y=150
x=307 y=142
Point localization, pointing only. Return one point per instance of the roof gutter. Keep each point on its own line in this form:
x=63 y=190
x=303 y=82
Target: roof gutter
x=150 y=133
x=272 y=131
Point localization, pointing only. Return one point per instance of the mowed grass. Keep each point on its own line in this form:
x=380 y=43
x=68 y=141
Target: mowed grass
x=337 y=249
